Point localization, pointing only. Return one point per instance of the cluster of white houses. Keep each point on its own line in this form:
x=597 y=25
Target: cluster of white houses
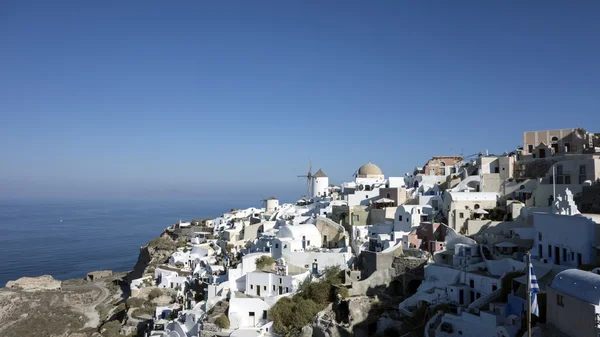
x=474 y=217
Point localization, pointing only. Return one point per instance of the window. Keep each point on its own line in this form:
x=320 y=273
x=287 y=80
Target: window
x=494 y=287
x=560 y=300
x=461 y=215
x=287 y=290
x=355 y=217
x=472 y=283
x=251 y=314
x=400 y=218
x=273 y=287
x=530 y=148
x=567 y=179
x=252 y=286
x=540 y=236
x=572 y=256
x=581 y=169
x=280 y=280
x=581 y=179
x=367 y=196
x=264 y=314
x=308 y=243
x=559 y=170
x=549 y=251
x=476 y=206
x=564 y=254
x=265 y=288
x=276 y=245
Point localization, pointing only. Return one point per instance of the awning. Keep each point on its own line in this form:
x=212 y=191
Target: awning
x=506 y=244
x=384 y=201
x=480 y=211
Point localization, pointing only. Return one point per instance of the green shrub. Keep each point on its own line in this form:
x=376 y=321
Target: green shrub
x=292 y=314
x=289 y=315
x=181 y=244
x=154 y=293
x=264 y=261
x=222 y=321
x=135 y=302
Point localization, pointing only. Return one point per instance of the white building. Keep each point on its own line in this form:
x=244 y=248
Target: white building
x=268 y=284
x=573 y=303
x=365 y=188
x=488 y=323
x=296 y=238
x=566 y=240
x=409 y=216
x=272 y=204
x=320 y=188
x=247 y=312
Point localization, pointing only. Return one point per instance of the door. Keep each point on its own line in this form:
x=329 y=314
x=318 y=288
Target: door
x=257 y=290
x=325 y=241
x=280 y=290
x=556 y=255
x=461 y=297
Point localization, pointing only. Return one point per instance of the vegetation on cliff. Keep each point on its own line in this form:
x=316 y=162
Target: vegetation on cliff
x=290 y=314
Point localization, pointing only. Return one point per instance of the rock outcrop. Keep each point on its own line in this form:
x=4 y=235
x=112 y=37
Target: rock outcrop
x=45 y=282
x=152 y=254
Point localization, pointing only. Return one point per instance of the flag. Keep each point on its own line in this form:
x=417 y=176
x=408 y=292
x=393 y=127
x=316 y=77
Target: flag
x=534 y=288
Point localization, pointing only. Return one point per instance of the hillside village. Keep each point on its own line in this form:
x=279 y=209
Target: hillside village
x=439 y=251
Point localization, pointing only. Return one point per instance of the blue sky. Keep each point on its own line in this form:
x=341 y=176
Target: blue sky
x=212 y=99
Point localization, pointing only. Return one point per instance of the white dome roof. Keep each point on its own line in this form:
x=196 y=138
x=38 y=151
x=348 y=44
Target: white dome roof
x=369 y=169
x=580 y=284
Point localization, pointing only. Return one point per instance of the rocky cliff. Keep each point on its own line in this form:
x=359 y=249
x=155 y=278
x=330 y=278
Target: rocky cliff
x=153 y=253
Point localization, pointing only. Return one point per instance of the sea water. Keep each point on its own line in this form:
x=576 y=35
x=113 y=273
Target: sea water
x=69 y=239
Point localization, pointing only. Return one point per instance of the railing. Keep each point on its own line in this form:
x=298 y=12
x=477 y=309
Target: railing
x=485 y=299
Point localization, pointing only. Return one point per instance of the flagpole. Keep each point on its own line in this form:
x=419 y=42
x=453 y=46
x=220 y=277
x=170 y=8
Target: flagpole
x=528 y=295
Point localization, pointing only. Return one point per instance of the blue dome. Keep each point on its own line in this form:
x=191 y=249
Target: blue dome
x=580 y=284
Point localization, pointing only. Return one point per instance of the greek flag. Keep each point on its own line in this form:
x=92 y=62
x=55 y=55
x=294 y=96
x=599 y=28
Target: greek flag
x=534 y=288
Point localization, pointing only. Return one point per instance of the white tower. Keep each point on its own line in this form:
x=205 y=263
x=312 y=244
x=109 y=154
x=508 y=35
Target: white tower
x=320 y=184
x=272 y=204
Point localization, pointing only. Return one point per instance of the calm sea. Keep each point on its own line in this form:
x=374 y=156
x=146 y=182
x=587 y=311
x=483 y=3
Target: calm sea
x=91 y=236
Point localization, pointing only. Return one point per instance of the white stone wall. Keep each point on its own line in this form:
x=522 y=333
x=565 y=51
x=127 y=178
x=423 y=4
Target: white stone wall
x=572 y=235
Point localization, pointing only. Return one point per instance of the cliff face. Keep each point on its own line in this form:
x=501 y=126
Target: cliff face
x=152 y=254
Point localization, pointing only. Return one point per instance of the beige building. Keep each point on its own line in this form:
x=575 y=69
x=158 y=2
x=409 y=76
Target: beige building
x=573 y=303
x=441 y=165
x=462 y=206
x=542 y=144
x=571 y=172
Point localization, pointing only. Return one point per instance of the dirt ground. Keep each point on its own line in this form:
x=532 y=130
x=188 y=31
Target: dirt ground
x=53 y=313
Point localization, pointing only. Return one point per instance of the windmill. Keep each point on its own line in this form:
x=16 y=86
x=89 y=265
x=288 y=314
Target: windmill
x=264 y=202
x=308 y=177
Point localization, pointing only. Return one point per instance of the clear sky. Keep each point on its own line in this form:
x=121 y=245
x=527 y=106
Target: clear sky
x=201 y=98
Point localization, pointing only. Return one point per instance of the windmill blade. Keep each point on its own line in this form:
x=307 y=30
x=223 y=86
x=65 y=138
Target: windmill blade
x=309 y=166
